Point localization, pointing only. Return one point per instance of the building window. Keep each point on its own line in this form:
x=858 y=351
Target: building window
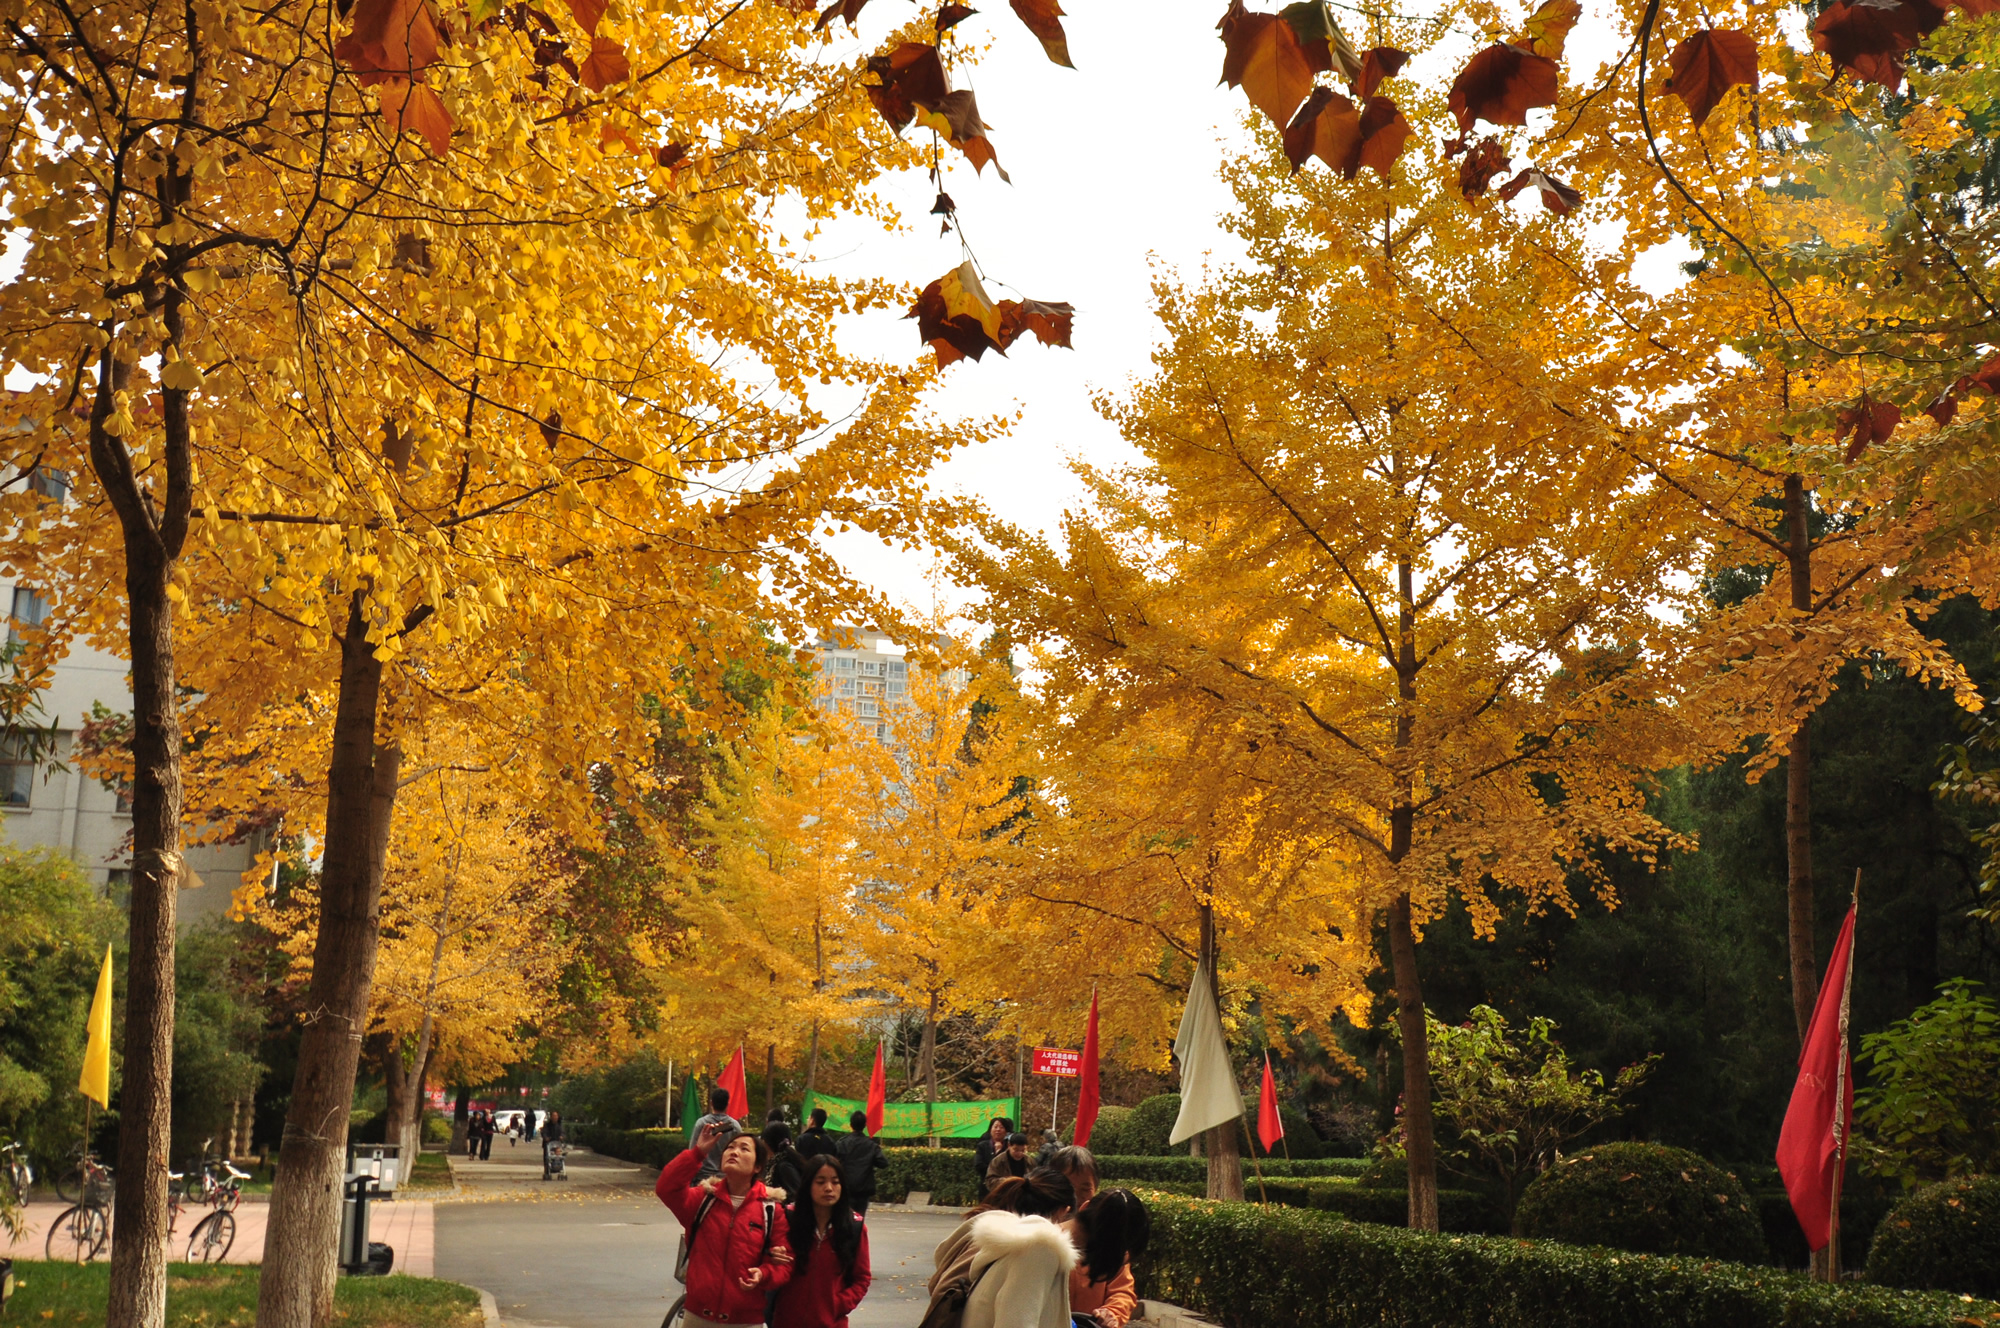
x=29 y=610
x=872 y=667
x=898 y=668
x=870 y=687
x=843 y=686
x=898 y=689
x=118 y=886
x=17 y=771
x=842 y=664
x=866 y=709
x=50 y=484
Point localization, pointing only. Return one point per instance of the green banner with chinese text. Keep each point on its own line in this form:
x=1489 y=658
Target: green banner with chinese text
x=909 y=1120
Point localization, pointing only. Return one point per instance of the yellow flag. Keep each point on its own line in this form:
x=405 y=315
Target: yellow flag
x=96 y=1081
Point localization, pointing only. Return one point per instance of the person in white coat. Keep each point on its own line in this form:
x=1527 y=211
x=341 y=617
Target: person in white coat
x=1014 y=1256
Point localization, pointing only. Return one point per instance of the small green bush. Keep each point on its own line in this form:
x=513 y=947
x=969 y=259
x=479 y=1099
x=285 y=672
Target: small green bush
x=1643 y=1197
x=1108 y=1135
x=650 y=1148
x=947 y=1173
x=1945 y=1237
x=1251 y=1266
x=1147 y=1128
x=1114 y=1168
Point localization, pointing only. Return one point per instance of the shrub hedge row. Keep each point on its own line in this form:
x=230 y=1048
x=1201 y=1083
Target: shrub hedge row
x=1249 y=1266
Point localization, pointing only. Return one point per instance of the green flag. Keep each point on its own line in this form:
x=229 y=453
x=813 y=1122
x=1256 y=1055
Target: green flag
x=690 y=1108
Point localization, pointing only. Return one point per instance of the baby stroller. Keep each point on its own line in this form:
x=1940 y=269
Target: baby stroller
x=552 y=1161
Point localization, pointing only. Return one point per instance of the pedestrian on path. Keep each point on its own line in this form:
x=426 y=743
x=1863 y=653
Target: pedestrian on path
x=486 y=1133
x=1009 y=1261
x=829 y=1252
x=1109 y=1232
x=860 y=1158
x=528 y=1122
x=788 y=1169
x=814 y=1140
x=726 y=1130
x=1052 y=1144
x=738 y=1252
x=1012 y=1161
x=552 y=1133
x=991 y=1144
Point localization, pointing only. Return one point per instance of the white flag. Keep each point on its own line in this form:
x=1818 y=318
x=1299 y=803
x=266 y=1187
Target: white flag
x=1208 y=1084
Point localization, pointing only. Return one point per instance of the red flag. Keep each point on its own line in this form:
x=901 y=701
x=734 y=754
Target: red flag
x=739 y=1090
x=878 y=1094
x=1270 y=1128
x=1812 y=1148
x=1086 y=1083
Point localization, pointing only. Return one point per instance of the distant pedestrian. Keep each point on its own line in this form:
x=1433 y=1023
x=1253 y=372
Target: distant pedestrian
x=514 y=1130
x=1045 y=1156
x=788 y=1169
x=860 y=1158
x=726 y=1129
x=486 y=1132
x=830 y=1273
x=814 y=1140
x=738 y=1252
x=552 y=1133
x=528 y=1125
x=991 y=1144
x=1012 y=1161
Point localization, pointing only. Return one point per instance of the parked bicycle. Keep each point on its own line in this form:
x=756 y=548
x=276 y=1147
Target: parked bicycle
x=82 y=1181
x=19 y=1176
x=81 y=1231
x=215 y=1184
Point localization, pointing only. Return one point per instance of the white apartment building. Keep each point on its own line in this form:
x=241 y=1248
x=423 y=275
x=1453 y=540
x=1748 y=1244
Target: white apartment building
x=862 y=674
x=46 y=802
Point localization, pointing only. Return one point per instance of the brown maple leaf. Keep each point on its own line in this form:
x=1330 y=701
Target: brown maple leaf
x=1380 y=62
x=391 y=39
x=1870 y=422
x=956 y=116
x=1484 y=161
x=1050 y=322
x=587 y=13
x=1708 y=64
x=955 y=316
x=1869 y=40
x=1262 y=55
x=1330 y=127
x=1557 y=197
x=551 y=426
x=846 y=9
x=606 y=64
x=1500 y=84
x=1944 y=409
x=1548 y=28
x=952 y=15
x=912 y=75
x=1325 y=45
x=414 y=107
x=1044 y=19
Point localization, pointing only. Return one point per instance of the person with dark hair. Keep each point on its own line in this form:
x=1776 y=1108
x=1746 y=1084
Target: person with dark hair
x=1011 y=1161
x=788 y=1169
x=829 y=1253
x=528 y=1125
x=991 y=1144
x=552 y=1133
x=860 y=1158
x=487 y=1129
x=814 y=1140
x=1109 y=1232
x=1008 y=1264
x=738 y=1251
x=1077 y=1162
x=726 y=1129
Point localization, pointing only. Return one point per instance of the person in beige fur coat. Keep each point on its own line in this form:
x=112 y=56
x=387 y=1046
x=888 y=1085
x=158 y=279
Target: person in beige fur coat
x=1016 y=1257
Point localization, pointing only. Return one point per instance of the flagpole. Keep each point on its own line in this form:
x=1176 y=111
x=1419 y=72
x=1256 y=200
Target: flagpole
x=1840 y=1103
x=1255 y=1165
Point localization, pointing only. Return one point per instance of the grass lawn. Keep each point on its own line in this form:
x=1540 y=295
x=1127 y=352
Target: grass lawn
x=432 y=1172
x=211 y=1296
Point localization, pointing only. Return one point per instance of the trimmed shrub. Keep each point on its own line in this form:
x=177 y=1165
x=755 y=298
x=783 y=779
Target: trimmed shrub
x=1109 y=1134
x=650 y=1148
x=1117 y=1169
x=1250 y=1266
x=1945 y=1237
x=947 y=1173
x=1147 y=1128
x=1862 y=1209
x=1643 y=1197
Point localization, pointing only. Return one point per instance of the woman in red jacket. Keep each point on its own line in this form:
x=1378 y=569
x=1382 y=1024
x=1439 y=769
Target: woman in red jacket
x=737 y=1251
x=830 y=1245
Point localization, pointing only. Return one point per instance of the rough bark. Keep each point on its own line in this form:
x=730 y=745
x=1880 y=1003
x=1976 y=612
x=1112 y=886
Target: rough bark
x=461 y=1120
x=1799 y=902
x=153 y=520
x=1225 y=1157
x=928 y=1055
x=770 y=1078
x=812 y=1066
x=1419 y=1138
x=296 y=1288
x=406 y=1130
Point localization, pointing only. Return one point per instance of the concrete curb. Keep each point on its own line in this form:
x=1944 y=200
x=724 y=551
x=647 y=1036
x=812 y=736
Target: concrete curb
x=489 y=1307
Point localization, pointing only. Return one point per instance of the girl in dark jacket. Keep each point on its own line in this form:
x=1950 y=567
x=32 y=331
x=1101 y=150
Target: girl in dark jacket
x=788 y=1169
x=830 y=1253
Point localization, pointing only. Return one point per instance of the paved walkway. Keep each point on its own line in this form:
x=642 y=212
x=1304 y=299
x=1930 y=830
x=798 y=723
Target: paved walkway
x=405 y=1226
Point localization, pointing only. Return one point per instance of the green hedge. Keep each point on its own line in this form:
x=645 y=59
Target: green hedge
x=1179 y=1167
x=652 y=1148
x=1250 y=1266
x=1643 y=1197
x=1945 y=1236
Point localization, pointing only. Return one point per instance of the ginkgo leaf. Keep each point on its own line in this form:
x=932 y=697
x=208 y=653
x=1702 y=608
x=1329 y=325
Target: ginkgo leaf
x=1482 y=162
x=1869 y=40
x=1262 y=55
x=1548 y=28
x=1378 y=63
x=952 y=15
x=912 y=75
x=1870 y=422
x=587 y=13
x=180 y=376
x=846 y=9
x=1708 y=64
x=956 y=117
x=1501 y=84
x=606 y=64
x=1557 y=197
x=1326 y=46
x=391 y=39
x=1330 y=127
x=414 y=107
x=1044 y=19
x=1049 y=321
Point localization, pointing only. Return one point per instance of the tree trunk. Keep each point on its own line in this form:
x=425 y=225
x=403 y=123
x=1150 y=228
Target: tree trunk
x=395 y=1085
x=153 y=520
x=812 y=1074
x=1225 y=1157
x=770 y=1078
x=1419 y=1139
x=928 y=1054
x=1799 y=904
x=461 y=1120
x=407 y=1130
x=296 y=1288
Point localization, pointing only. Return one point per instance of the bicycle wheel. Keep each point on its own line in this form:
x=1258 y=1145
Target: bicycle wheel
x=674 y=1314
x=69 y=1185
x=212 y=1237
x=77 y=1235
